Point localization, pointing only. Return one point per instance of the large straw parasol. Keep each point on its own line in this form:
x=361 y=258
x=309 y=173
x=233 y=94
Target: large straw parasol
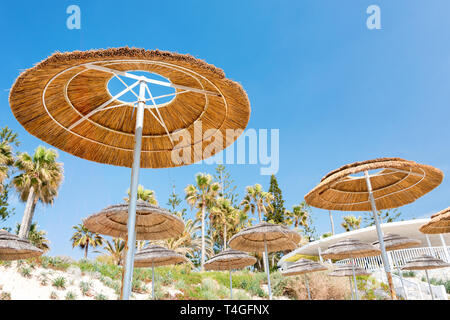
x=14 y=248
x=304 y=266
x=439 y=223
x=230 y=259
x=348 y=271
x=350 y=248
x=152 y=222
x=397 y=242
x=64 y=101
x=265 y=237
x=155 y=256
x=426 y=262
x=397 y=182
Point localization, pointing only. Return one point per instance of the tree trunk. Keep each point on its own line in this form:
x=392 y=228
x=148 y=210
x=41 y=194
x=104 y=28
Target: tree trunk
x=202 y=260
x=28 y=214
x=225 y=237
x=86 y=250
x=332 y=222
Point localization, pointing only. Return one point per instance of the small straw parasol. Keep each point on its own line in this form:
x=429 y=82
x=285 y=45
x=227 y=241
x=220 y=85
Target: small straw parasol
x=13 y=247
x=152 y=222
x=64 y=100
x=426 y=262
x=439 y=223
x=155 y=256
x=396 y=182
x=265 y=237
x=304 y=266
x=350 y=248
x=348 y=271
x=397 y=242
x=230 y=259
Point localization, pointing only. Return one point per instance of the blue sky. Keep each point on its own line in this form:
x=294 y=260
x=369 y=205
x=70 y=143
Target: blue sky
x=337 y=91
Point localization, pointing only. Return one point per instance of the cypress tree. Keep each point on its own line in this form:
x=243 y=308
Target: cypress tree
x=277 y=215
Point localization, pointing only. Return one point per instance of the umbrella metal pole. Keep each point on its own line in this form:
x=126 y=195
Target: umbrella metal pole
x=354 y=279
x=153 y=281
x=429 y=284
x=387 y=268
x=131 y=224
x=267 y=269
x=231 y=287
x=351 y=287
x=403 y=283
x=307 y=287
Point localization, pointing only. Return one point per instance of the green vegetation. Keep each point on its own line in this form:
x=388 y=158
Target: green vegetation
x=100 y=297
x=59 y=283
x=70 y=295
x=25 y=272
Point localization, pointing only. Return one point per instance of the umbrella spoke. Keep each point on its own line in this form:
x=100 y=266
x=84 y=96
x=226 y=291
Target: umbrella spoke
x=159 y=114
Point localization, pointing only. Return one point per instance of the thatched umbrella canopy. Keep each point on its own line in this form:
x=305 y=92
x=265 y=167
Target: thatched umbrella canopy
x=152 y=222
x=426 y=262
x=51 y=99
x=14 y=248
x=396 y=242
x=277 y=237
x=395 y=183
x=230 y=259
x=439 y=223
x=350 y=248
x=265 y=237
x=349 y=271
x=155 y=256
x=304 y=266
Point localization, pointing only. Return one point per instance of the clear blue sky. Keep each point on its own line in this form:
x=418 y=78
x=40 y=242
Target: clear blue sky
x=337 y=91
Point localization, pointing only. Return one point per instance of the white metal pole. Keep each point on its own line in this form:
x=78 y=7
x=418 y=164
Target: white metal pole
x=387 y=268
x=320 y=255
x=231 y=287
x=131 y=241
x=429 y=284
x=267 y=269
x=403 y=283
x=153 y=281
x=447 y=257
x=307 y=287
x=351 y=287
x=354 y=279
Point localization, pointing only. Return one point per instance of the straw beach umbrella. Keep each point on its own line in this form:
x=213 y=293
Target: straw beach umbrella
x=426 y=262
x=397 y=242
x=349 y=271
x=230 y=259
x=13 y=247
x=350 y=248
x=64 y=100
x=439 y=223
x=152 y=222
x=156 y=256
x=265 y=237
x=395 y=183
x=304 y=266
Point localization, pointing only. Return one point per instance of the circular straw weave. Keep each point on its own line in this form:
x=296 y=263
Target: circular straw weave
x=14 y=248
x=439 y=223
x=347 y=271
x=156 y=256
x=303 y=266
x=398 y=182
x=278 y=238
x=152 y=222
x=397 y=242
x=230 y=259
x=425 y=262
x=50 y=98
x=350 y=248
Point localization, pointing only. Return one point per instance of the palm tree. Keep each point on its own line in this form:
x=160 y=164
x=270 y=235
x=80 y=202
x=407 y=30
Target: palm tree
x=115 y=249
x=351 y=223
x=37 y=237
x=144 y=195
x=84 y=238
x=39 y=180
x=6 y=160
x=202 y=196
x=261 y=201
x=224 y=218
x=298 y=216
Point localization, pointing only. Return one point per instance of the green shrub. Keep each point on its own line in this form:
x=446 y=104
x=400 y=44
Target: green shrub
x=100 y=297
x=25 y=272
x=85 y=287
x=70 y=295
x=59 y=283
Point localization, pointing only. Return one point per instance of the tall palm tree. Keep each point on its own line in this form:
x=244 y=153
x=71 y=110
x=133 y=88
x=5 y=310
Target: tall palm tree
x=298 y=216
x=6 y=160
x=37 y=237
x=116 y=249
x=351 y=223
x=202 y=196
x=146 y=195
x=84 y=238
x=39 y=180
x=224 y=219
x=256 y=199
